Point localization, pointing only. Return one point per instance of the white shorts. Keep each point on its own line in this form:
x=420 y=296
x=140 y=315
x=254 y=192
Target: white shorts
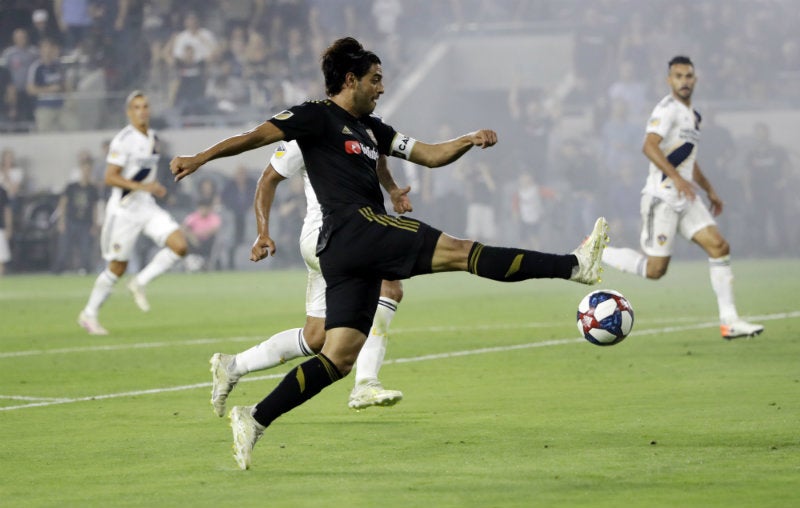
x=661 y=223
x=5 y=252
x=123 y=226
x=315 y=289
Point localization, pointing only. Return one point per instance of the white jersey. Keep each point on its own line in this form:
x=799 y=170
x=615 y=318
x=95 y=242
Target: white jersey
x=137 y=155
x=679 y=128
x=288 y=162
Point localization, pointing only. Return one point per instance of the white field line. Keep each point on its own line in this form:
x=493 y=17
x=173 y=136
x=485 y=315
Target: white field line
x=439 y=356
x=395 y=331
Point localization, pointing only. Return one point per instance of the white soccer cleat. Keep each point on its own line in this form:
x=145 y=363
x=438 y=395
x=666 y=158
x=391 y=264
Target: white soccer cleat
x=246 y=433
x=222 y=381
x=590 y=254
x=739 y=328
x=138 y=295
x=91 y=324
x=373 y=394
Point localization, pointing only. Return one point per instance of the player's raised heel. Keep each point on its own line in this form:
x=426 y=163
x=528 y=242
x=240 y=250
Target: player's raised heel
x=590 y=254
x=739 y=328
x=222 y=381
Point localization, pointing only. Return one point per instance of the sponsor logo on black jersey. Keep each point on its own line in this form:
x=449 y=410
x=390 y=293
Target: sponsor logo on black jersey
x=354 y=147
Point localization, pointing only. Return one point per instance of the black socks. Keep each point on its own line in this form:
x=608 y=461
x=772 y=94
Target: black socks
x=299 y=385
x=512 y=265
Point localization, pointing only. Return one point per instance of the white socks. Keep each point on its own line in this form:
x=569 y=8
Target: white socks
x=722 y=282
x=100 y=292
x=631 y=261
x=161 y=262
x=290 y=344
x=371 y=356
x=626 y=260
x=279 y=348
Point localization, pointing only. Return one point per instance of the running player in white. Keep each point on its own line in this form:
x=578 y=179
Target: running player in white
x=226 y=370
x=670 y=204
x=132 y=210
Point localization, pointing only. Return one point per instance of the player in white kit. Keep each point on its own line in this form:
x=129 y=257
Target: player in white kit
x=670 y=204
x=226 y=370
x=132 y=163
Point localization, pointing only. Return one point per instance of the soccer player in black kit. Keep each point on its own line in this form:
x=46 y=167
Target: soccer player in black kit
x=359 y=243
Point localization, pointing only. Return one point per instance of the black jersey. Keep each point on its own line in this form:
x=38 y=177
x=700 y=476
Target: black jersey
x=340 y=152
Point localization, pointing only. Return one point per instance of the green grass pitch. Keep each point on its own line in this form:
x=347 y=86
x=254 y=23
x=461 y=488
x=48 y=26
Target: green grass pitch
x=504 y=404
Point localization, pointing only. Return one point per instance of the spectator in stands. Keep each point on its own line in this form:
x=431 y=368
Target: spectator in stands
x=202 y=41
x=768 y=193
x=73 y=20
x=533 y=125
x=237 y=196
x=201 y=226
x=77 y=224
x=6 y=229
x=12 y=176
x=620 y=137
x=188 y=88
x=528 y=209
x=131 y=50
x=8 y=99
x=480 y=194
x=629 y=89
x=226 y=91
x=43 y=28
x=47 y=82
x=19 y=57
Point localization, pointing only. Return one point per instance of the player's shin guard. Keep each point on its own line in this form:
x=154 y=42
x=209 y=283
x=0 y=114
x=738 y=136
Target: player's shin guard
x=511 y=265
x=299 y=385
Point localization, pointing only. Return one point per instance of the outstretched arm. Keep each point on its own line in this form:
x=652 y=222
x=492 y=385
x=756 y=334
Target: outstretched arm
x=262 y=204
x=441 y=154
x=262 y=135
x=398 y=196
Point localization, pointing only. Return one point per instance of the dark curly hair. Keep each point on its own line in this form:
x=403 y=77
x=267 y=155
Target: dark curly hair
x=343 y=56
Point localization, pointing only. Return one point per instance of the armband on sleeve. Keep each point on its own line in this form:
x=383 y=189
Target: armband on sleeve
x=402 y=145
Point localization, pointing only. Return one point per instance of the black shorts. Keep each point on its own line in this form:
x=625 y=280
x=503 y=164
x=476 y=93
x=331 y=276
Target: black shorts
x=357 y=249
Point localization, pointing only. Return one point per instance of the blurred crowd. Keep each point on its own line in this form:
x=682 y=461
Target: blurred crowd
x=67 y=64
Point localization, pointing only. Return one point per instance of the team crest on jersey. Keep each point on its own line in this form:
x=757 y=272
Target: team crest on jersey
x=283 y=115
x=345 y=130
x=280 y=151
x=662 y=239
x=372 y=136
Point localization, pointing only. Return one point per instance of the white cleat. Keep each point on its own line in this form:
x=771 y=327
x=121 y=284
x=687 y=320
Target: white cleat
x=91 y=324
x=222 y=381
x=740 y=328
x=373 y=394
x=138 y=295
x=590 y=253
x=246 y=433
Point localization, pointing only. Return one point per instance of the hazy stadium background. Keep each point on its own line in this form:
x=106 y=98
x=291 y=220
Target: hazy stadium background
x=450 y=67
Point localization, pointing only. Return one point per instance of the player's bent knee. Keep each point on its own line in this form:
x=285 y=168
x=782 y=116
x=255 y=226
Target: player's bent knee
x=451 y=254
x=177 y=243
x=314 y=333
x=392 y=289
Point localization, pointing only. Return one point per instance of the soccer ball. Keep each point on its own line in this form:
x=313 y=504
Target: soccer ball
x=605 y=317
